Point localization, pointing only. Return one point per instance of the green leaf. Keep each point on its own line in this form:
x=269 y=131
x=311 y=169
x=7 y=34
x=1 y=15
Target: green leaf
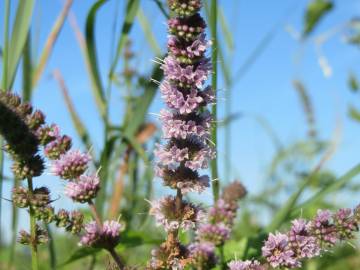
x=354 y=114
x=92 y=58
x=131 y=11
x=235 y=248
x=80 y=254
x=50 y=42
x=316 y=10
x=146 y=27
x=229 y=119
x=136 y=238
x=228 y=37
x=78 y=124
x=336 y=186
x=18 y=38
x=143 y=102
x=353 y=83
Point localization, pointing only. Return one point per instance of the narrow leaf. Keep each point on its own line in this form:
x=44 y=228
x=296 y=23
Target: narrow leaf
x=50 y=42
x=131 y=11
x=354 y=114
x=79 y=126
x=92 y=57
x=315 y=11
x=18 y=39
x=146 y=27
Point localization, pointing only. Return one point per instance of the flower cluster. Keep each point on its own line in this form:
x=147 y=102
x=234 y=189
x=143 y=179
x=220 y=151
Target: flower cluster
x=202 y=255
x=186 y=127
x=221 y=216
x=105 y=236
x=166 y=214
x=19 y=124
x=245 y=265
x=306 y=239
x=186 y=122
x=25 y=131
x=68 y=164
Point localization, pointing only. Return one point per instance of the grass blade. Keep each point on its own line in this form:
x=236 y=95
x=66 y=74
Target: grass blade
x=50 y=42
x=5 y=67
x=214 y=60
x=337 y=185
x=79 y=126
x=146 y=27
x=18 y=38
x=91 y=55
x=228 y=37
x=131 y=11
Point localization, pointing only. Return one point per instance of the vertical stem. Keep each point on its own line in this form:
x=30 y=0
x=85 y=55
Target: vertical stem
x=116 y=258
x=214 y=59
x=6 y=45
x=3 y=88
x=95 y=214
x=52 y=252
x=34 y=257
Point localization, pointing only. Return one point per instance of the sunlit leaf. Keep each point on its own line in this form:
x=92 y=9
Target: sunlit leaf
x=315 y=11
x=17 y=41
x=353 y=83
x=354 y=114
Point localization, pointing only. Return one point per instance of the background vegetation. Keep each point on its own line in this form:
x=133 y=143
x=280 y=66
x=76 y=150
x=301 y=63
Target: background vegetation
x=99 y=90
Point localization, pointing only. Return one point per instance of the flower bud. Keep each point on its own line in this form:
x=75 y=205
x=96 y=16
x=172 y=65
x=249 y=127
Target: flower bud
x=40 y=197
x=62 y=218
x=45 y=214
x=35 y=120
x=29 y=168
x=24 y=238
x=76 y=222
x=20 y=197
x=185 y=8
x=53 y=150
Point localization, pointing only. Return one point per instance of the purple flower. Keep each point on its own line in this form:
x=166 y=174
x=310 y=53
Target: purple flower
x=71 y=165
x=184 y=103
x=171 y=157
x=176 y=127
x=58 y=147
x=184 y=179
x=345 y=223
x=302 y=243
x=189 y=75
x=187 y=53
x=221 y=212
x=245 y=265
x=213 y=233
x=106 y=236
x=167 y=215
x=323 y=229
x=277 y=252
x=200 y=160
x=203 y=255
x=83 y=190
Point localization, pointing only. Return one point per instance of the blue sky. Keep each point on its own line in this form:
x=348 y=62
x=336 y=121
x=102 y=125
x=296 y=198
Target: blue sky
x=265 y=90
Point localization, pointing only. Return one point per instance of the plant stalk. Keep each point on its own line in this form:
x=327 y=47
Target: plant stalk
x=214 y=59
x=95 y=214
x=116 y=258
x=34 y=255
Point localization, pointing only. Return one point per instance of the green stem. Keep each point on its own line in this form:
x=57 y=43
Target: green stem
x=52 y=252
x=214 y=59
x=3 y=88
x=116 y=258
x=222 y=258
x=34 y=255
x=6 y=45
